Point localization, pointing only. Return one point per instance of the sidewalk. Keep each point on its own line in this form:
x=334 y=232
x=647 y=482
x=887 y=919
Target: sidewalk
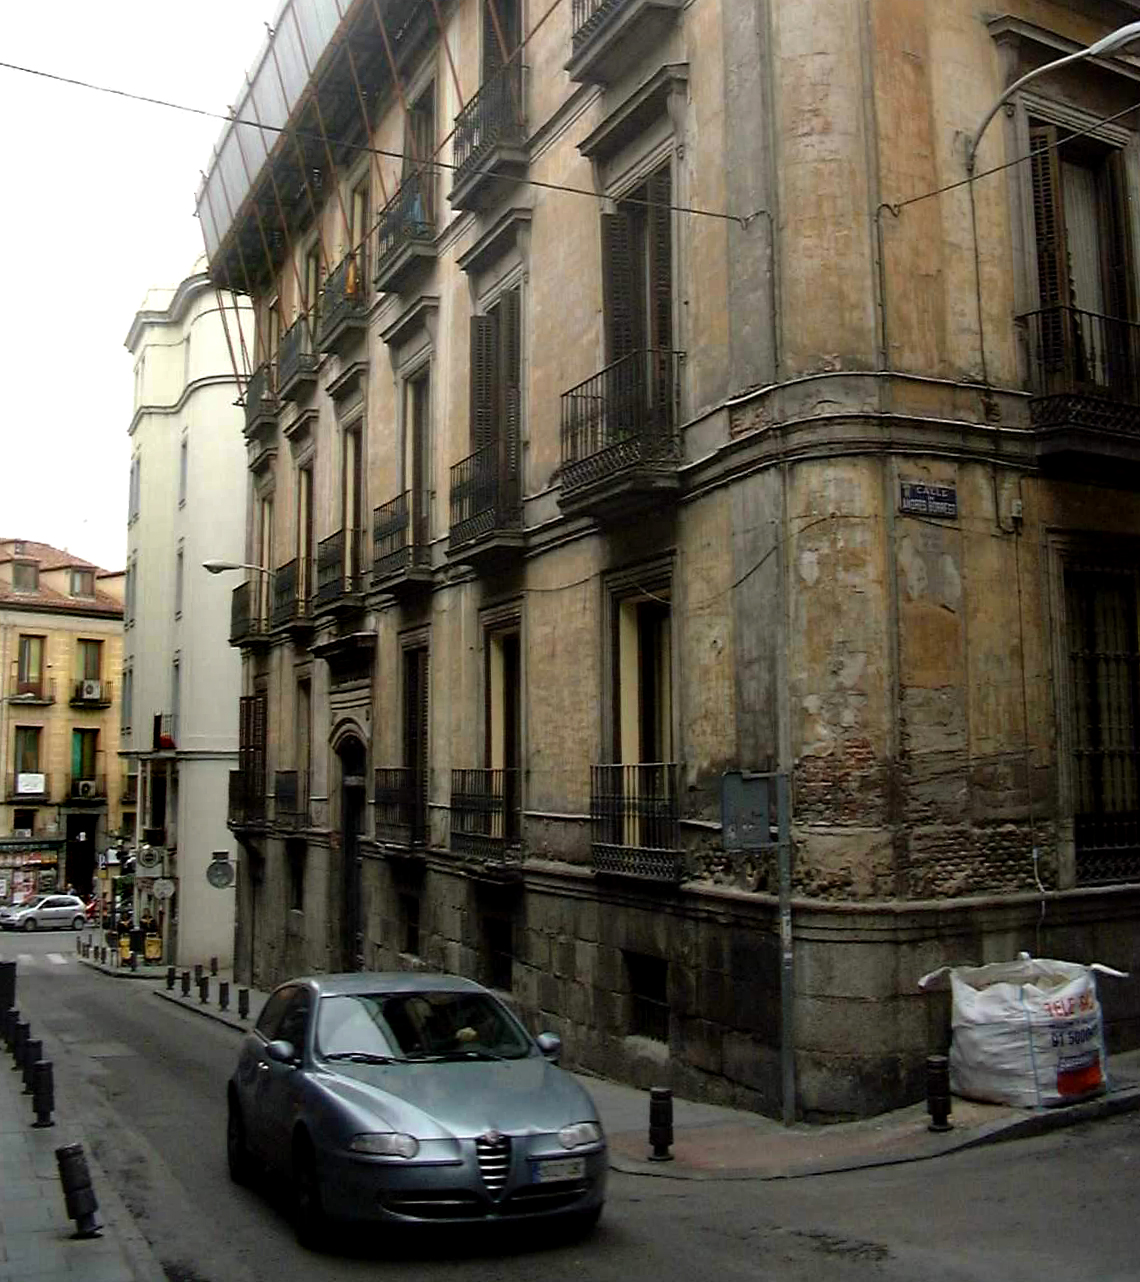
x=713 y=1143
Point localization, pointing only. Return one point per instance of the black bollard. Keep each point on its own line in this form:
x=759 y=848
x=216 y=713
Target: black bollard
x=185 y=983
x=7 y=984
x=213 y=965
x=134 y=961
x=170 y=979
x=197 y=972
x=77 y=1190
x=19 y=1041
x=223 y=994
x=660 y=1123
x=33 y=1053
x=8 y=1026
x=204 y=989
x=243 y=1003
x=43 y=1093
x=938 y=1092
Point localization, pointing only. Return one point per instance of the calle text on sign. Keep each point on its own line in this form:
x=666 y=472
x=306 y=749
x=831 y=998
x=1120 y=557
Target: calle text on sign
x=920 y=499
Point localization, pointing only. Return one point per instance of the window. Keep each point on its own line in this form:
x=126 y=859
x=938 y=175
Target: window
x=272 y=336
x=83 y=583
x=1085 y=273
x=502 y=30
x=30 y=667
x=1101 y=604
x=263 y=555
x=498 y=951
x=24 y=820
x=352 y=502
x=84 y=754
x=135 y=494
x=416 y=733
x=303 y=728
x=252 y=717
x=89 y=660
x=417 y=455
x=179 y=567
x=643 y=702
x=496 y=393
x=269 y=1020
x=359 y=213
x=295 y=851
x=305 y=583
x=417 y=173
x=312 y=284
x=27 y=754
x=502 y=721
x=128 y=697
x=183 y=470
x=25 y=576
x=648 y=996
x=410 y=923
x=175 y=696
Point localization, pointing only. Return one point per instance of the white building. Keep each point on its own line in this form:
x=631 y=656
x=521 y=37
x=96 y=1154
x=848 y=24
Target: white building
x=181 y=681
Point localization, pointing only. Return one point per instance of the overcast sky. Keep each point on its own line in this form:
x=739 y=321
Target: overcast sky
x=98 y=207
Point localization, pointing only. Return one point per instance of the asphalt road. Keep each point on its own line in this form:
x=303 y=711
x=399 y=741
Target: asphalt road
x=150 y=1078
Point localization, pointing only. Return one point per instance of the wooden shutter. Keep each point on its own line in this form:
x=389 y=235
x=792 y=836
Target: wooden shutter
x=492 y=52
x=484 y=380
x=416 y=735
x=660 y=222
x=618 y=284
x=1048 y=218
x=510 y=385
x=1120 y=269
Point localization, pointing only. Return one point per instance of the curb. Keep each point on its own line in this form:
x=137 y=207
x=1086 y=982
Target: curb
x=219 y=1017
x=119 y=972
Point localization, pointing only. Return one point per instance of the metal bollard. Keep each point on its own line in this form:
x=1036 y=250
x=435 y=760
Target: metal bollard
x=8 y=1026
x=938 y=1092
x=204 y=989
x=19 y=1041
x=197 y=972
x=185 y=983
x=134 y=961
x=213 y=965
x=43 y=1093
x=660 y=1123
x=77 y=1190
x=78 y=946
x=243 y=1003
x=7 y=984
x=223 y=994
x=33 y=1052
x=170 y=979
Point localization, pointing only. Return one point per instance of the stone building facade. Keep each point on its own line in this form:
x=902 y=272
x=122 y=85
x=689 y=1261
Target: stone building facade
x=605 y=449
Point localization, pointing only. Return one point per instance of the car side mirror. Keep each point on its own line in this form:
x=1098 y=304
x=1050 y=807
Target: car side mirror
x=551 y=1046
x=281 y=1052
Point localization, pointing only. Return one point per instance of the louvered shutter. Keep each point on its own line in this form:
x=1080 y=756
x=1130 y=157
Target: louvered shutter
x=484 y=379
x=1053 y=288
x=492 y=52
x=618 y=285
x=660 y=221
x=510 y=380
x=1120 y=269
x=258 y=728
x=416 y=734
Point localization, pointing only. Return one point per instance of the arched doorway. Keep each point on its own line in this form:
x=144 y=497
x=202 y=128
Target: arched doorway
x=352 y=806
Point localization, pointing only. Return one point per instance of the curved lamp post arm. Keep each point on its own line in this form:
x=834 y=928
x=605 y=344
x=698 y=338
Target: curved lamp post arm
x=1114 y=40
x=220 y=567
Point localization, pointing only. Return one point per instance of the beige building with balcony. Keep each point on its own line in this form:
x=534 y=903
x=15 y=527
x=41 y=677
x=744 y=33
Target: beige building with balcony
x=65 y=794
x=649 y=416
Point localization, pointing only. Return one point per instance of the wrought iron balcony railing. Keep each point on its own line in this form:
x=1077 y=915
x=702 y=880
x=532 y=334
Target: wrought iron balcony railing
x=246 y=799
x=291 y=792
x=486 y=813
x=605 y=35
x=248 y=620
x=484 y=496
x=338 y=567
x=1080 y=353
x=24 y=784
x=87 y=787
x=406 y=222
x=342 y=296
x=622 y=419
x=400 y=538
x=292 y=584
x=92 y=692
x=260 y=396
x=635 y=821
x=40 y=690
x=296 y=360
x=401 y=805
x=494 y=117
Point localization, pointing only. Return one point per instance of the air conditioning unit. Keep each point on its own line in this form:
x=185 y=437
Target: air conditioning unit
x=92 y=689
x=86 y=787
x=21 y=832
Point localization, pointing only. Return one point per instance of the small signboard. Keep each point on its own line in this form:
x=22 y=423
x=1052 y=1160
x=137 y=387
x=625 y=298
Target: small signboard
x=920 y=499
x=28 y=784
x=163 y=887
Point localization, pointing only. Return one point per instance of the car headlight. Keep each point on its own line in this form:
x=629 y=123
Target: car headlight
x=579 y=1133
x=385 y=1144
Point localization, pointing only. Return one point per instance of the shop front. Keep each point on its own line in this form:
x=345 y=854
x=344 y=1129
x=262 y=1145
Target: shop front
x=28 y=867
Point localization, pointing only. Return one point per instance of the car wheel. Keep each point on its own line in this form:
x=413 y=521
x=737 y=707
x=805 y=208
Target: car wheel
x=237 y=1154
x=29 y=923
x=309 y=1221
x=79 y=923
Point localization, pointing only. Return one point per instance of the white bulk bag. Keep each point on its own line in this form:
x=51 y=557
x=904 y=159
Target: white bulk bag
x=1026 y=1032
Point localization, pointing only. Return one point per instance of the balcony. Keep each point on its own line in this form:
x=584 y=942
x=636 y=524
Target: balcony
x=401 y=547
x=28 y=785
x=634 y=822
x=291 y=789
x=344 y=310
x=40 y=691
x=155 y=836
x=130 y=793
x=405 y=242
x=490 y=141
x=486 y=515
x=260 y=400
x=164 y=737
x=1085 y=376
x=296 y=361
x=292 y=605
x=248 y=624
x=608 y=37
x=339 y=577
x=87 y=787
x=246 y=801
x=401 y=806
x=91 y=692
x=620 y=443
x=486 y=814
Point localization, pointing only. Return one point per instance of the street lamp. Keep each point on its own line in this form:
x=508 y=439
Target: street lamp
x=1107 y=44
x=264 y=593
x=220 y=567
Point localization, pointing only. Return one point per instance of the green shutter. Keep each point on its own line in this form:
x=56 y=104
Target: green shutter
x=618 y=291
x=510 y=385
x=660 y=244
x=484 y=380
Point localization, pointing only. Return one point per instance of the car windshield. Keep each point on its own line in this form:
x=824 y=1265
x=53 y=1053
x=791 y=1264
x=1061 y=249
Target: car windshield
x=416 y=1026
x=37 y=902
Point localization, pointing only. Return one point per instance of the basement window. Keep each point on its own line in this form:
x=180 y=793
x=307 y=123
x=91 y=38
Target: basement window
x=648 y=996
x=410 y=923
x=498 y=952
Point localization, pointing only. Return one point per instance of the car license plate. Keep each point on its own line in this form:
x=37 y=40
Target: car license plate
x=566 y=1168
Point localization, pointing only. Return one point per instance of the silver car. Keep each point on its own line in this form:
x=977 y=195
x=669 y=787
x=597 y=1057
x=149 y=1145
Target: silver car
x=46 y=912
x=411 y=1098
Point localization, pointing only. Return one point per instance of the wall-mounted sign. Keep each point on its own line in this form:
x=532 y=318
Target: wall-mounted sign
x=163 y=888
x=26 y=784
x=920 y=499
x=220 y=872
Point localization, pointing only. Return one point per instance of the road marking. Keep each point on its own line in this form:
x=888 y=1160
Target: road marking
x=26 y=959
x=57 y=959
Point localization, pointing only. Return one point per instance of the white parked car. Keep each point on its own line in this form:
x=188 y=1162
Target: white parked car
x=46 y=912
